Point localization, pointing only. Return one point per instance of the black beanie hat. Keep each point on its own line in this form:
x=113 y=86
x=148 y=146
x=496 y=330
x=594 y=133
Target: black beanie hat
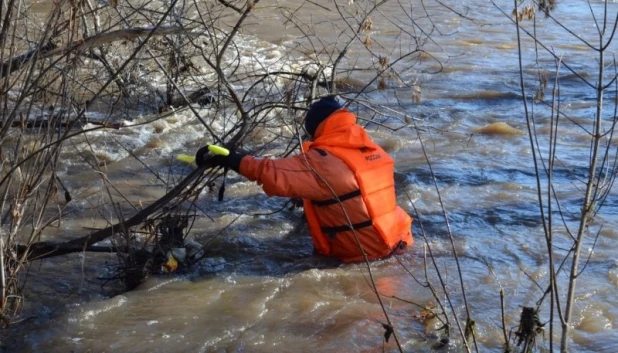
x=319 y=111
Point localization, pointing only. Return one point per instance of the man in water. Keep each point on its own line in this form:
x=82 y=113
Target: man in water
x=346 y=182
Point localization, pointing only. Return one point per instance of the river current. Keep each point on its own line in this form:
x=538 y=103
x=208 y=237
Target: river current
x=260 y=289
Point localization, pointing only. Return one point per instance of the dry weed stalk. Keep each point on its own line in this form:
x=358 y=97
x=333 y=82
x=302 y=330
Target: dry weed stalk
x=592 y=190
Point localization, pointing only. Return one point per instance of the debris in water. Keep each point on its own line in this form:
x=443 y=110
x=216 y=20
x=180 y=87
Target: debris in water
x=171 y=264
x=529 y=327
x=388 y=331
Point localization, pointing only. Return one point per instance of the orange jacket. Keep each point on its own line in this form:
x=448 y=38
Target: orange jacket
x=342 y=175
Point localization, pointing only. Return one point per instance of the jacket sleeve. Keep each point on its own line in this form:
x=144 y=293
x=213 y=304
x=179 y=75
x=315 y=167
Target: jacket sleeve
x=287 y=177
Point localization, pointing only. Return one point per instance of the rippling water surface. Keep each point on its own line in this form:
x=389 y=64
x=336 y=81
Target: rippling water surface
x=261 y=290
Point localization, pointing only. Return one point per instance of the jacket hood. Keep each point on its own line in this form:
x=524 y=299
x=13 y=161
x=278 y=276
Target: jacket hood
x=340 y=130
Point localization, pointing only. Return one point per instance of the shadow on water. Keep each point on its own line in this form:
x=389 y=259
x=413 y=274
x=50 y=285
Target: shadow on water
x=484 y=176
x=481 y=220
x=484 y=212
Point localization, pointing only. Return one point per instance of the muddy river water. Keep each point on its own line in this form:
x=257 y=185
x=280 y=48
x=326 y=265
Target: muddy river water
x=262 y=290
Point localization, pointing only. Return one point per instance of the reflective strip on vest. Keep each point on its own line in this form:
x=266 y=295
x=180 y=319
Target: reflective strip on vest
x=332 y=231
x=337 y=199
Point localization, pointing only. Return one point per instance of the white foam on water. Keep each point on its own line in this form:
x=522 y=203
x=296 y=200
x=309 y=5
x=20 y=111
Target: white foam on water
x=112 y=304
x=164 y=282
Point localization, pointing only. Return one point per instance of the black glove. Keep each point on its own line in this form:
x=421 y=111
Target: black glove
x=203 y=158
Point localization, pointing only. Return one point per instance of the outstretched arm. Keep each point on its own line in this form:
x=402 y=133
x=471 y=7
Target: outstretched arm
x=287 y=177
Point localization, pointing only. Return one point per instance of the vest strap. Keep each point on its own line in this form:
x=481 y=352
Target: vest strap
x=337 y=199
x=332 y=231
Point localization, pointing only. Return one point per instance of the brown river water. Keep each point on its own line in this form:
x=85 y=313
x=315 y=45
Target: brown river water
x=261 y=290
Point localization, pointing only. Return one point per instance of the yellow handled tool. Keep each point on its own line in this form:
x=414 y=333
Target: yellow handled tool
x=185 y=158
x=218 y=150
x=214 y=149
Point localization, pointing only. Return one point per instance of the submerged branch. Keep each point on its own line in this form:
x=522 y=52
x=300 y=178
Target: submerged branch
x=42 y=250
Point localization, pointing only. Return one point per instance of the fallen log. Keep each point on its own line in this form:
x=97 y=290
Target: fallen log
x=50 y=49
x=50 y=123
x=202 y=96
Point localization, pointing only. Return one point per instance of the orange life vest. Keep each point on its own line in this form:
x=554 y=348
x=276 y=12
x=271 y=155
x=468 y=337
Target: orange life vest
x=380 y=225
